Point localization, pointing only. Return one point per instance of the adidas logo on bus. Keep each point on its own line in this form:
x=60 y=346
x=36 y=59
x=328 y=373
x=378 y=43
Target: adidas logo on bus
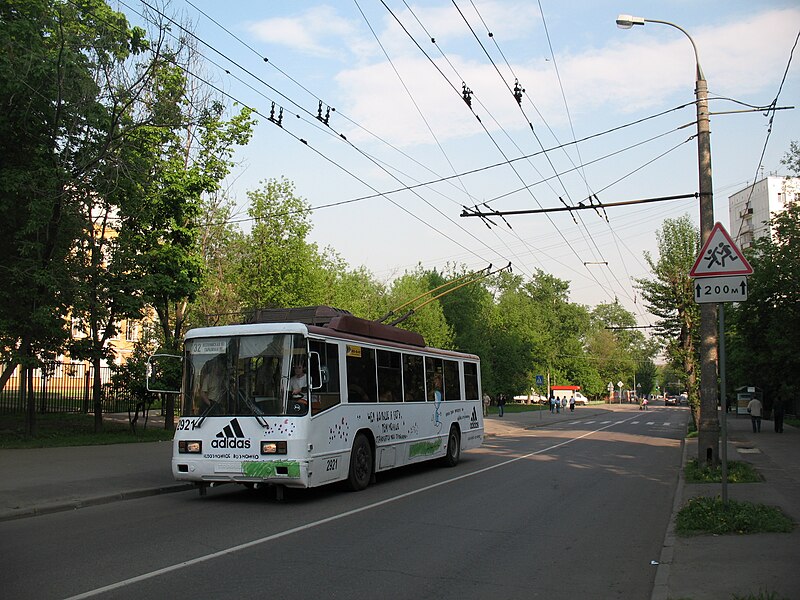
x=231 y=436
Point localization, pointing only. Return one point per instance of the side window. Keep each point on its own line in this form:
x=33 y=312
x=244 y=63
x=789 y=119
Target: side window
x=413 y=378
x=434 y=379
x=329 y=394
x=452 y=382
x=390 y=377
x=360 y=364
x=471 y=381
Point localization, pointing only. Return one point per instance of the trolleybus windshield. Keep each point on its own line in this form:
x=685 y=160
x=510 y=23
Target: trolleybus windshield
x=250 y=375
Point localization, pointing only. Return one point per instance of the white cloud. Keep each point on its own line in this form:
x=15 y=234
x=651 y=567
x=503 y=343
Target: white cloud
x=636 y=70
x=744 y=57
x=737 y=58
x=317 y=31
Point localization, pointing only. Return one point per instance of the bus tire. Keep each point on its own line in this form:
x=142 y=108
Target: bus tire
x=453 y=452
x=361 y=464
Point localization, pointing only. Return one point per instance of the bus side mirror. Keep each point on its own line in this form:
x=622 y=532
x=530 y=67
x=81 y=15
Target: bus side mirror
x=319 y=374
x=163 y=373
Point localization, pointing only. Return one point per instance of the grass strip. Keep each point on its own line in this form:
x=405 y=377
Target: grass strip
x=77 y=429
x=704 y=515
x=738 y=472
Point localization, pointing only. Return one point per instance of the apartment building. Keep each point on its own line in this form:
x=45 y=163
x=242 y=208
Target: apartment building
x=751 y=208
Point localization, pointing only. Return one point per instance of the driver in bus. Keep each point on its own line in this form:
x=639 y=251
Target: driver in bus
x=212 y=382
x=298 y=383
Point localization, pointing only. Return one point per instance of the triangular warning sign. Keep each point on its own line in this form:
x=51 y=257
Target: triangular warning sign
x=720 y=256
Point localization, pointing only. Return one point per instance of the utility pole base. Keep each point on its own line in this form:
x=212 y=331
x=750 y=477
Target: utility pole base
x=708 y=445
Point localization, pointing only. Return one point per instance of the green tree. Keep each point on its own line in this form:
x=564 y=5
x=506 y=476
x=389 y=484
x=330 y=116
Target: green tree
x=141 y=203
x=355 y=290
x=56 y=127
x=620 y=350
x=646 y=376
x=278 y=267
x=792 y=158
x=162 y=220
x=764 y=331
x=669 y=296
x=467 y=307
x=613 y=344
x=535 y=330
x=429 y=321
x=219 y=240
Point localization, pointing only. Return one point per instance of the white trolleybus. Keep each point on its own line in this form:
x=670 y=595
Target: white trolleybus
x=307 y=397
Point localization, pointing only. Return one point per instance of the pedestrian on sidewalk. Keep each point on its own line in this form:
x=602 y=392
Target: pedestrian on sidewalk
x=501 y=403
x=572 y=404
x=778 y=411
x=552 y=403
x=487 y=400
x=754 y=410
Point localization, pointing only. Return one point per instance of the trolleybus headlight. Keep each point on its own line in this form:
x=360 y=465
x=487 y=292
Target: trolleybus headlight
x=273 y=447
x=190 y=447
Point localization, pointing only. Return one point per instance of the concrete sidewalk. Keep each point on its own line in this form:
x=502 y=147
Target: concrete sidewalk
x=41 y=481
x=44 y=480
x=710 y=567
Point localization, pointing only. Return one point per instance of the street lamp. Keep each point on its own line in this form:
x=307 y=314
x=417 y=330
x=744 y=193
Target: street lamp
x=708 y=427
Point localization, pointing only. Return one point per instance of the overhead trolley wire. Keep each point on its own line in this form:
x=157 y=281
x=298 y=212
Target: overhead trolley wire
x=770 y=109
x=408 y=33
x=584 y=229
x=299 y=84
x=538 y=140
x=377 y=194
x=422 y=116
x=342 y=137
x=305 y=142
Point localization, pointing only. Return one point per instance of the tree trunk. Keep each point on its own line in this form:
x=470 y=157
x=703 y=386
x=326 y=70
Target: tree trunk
x=26 y=391
x=7 y=373
x=169 y=411
x=97 y=394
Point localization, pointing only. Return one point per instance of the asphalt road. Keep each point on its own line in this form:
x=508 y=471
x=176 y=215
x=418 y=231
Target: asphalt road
x=574 y=510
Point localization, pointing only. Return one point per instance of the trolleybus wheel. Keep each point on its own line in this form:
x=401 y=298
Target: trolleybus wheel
x=453 y=453
x=360 y=472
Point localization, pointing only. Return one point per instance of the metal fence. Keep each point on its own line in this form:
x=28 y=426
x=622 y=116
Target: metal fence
x=65 y=387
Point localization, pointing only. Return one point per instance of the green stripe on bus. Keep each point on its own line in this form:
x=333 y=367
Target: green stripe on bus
x=424 y=448
x=269 y=468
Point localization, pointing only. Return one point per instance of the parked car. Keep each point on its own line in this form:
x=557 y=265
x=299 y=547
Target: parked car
x=580 y=398
x=532 y=399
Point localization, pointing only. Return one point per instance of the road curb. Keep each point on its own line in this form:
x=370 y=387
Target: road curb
x=47 y=509
x=661 y=584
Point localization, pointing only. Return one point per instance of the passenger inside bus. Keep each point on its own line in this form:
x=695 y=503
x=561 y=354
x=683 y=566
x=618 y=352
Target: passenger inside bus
x=436 y=392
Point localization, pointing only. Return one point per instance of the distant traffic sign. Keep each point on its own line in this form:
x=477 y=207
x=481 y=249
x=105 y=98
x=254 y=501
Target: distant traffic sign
x=720 y=289
x=720 y=256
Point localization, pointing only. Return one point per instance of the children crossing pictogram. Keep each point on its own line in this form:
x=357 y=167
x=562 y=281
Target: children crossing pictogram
x=720 y=256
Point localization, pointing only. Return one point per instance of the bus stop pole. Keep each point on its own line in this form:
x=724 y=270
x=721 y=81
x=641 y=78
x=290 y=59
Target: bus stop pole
x=724 y=405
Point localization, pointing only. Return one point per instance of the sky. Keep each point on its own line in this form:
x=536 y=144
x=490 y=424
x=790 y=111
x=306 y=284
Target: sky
x=600 y=112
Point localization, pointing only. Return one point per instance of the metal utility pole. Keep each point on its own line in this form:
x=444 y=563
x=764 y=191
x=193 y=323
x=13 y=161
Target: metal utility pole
x=708 y=425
